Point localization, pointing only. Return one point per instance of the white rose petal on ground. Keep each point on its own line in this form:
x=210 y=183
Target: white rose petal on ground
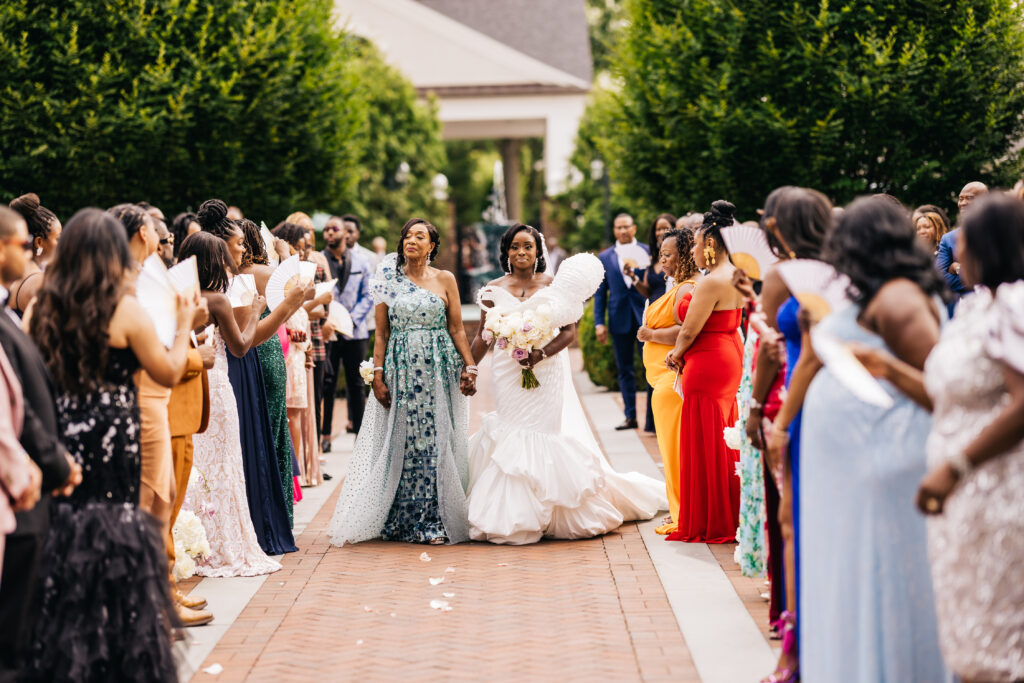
x=449 y=570
x=437 y=581
x=441 y=605
x=424 y=557
x=448 y=595
x=213 y=669
x=367 y=608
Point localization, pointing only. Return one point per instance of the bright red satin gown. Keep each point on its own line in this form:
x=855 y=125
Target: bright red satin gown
x=709 y=507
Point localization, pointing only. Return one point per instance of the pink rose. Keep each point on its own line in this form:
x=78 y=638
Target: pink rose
x=487 y=336
x=502 y=343
x=527 y=327
x=520 y=354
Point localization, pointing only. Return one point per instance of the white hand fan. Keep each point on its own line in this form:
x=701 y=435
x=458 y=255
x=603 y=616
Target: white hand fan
x=749 y=250
x=284 y=277
x=184 y=277
x=818 y=287
x=849 y=371
x=326 y=286
x=635 y=253
x=268 y=244
x=307 y=271
x=242 y=290
x=155 y=292
x=340 y=318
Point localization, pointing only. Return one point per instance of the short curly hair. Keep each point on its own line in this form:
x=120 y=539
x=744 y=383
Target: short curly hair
x=506 y=244
x=435 y=238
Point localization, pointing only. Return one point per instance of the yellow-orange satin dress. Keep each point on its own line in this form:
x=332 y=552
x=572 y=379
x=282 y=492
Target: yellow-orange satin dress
x=666 y=404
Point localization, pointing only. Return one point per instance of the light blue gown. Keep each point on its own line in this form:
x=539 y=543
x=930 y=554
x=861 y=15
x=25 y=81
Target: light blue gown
x=867 y=607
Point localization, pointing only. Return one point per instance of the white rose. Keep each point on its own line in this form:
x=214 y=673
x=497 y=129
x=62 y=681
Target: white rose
x=732 y=438
x=366 y=371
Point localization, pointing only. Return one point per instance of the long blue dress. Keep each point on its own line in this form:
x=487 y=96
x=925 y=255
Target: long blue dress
x=407 y=477
x=267 y=506
x=868 y=611
x=788 y=322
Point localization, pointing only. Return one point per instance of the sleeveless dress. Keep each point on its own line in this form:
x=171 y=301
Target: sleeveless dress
x=868 y=611
x=789 y=325
x=218 y=495
x=275 y=378
x=267 y=507
x=535 y=467
x=106 y=612
x=408 y=473
x=666 y=404
x=751 y=549
x=977 y=543
x=709 y=488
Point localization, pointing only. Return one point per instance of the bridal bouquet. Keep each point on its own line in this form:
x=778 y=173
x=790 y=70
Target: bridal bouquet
x=519 y=332
x=366 y=371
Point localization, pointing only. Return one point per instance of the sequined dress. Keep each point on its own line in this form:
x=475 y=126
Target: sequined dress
x=275 y=378
x=976 y=545
x=106 y=612
x=407 y=477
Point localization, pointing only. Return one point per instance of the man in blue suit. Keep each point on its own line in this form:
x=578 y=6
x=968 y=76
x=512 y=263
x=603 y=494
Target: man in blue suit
x=945 y=260
x=353 y=272
x=624 y=307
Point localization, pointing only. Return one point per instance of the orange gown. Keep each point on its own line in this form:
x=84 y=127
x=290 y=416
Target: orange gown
x=709 y=487
x=665 y=402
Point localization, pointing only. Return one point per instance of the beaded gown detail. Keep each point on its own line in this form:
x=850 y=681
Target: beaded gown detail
x=106 y=612
x=407 y=477
x=860 y=466
x=977 y=544
x=535 y=467
x=275 y=379
x=218 y=497
x=267 y=507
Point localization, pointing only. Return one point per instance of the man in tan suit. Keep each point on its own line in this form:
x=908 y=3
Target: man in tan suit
x=188 y=412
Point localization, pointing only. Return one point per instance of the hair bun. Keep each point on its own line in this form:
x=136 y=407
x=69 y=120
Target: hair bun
x=211 y=213
x=26 y=204
x=723 y=209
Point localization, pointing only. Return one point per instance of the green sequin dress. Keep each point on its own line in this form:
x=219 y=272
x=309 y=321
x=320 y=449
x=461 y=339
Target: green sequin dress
x=275 y=377
x=408 y=474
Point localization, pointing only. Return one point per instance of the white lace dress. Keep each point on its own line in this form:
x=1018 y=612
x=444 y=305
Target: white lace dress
x=217 y=496
x=977 y=545
x=535 y=467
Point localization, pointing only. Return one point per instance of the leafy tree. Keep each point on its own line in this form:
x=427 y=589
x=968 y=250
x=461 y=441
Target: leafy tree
x=722 y=98
x=398 y=129
x=174 y=101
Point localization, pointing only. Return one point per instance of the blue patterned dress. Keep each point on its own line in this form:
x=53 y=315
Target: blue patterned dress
x=407 y=477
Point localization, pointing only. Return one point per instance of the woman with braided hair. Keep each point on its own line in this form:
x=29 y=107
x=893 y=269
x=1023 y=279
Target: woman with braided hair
x=44 y=229
x=709 y=355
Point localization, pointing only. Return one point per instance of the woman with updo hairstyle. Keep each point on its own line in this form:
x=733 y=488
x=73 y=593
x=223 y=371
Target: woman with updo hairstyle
x=105 y=608
x=659 y=332
x=268 y=506
x=408 y=475
x=709 y=355
x=44 y=230
x=860 y=465
x=973 y=383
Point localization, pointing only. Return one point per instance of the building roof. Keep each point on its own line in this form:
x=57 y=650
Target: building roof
x=551 y=31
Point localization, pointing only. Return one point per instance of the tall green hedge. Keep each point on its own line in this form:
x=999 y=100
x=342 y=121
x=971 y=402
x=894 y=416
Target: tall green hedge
x=727 y=98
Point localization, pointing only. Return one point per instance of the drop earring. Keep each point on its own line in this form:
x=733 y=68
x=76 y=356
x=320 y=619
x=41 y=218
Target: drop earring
x=536 y=262
x=709 y=255
x=39 y=251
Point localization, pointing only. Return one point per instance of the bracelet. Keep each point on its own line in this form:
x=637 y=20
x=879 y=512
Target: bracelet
x=471 y=369
x=754 y=404
x=378 y=368
x=543 y=353
x=960 y=464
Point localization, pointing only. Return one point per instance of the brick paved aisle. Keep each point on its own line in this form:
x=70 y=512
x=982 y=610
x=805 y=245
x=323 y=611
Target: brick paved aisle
x=557 y=610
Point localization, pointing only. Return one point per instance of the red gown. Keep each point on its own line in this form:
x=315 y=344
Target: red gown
x=709 y=507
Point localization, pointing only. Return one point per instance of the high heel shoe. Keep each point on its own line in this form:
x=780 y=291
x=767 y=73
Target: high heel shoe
x=790 y=672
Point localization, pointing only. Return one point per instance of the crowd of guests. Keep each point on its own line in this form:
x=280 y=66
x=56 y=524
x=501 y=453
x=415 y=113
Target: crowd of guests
x=890 y=534
x=107 y=434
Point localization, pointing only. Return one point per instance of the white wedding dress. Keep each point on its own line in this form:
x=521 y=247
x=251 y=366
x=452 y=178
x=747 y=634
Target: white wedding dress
x=535 y=468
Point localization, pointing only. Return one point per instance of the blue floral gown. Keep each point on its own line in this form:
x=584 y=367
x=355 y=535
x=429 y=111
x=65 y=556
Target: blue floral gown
x=408 y=474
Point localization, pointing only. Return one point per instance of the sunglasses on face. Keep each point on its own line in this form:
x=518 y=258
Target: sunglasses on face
x=25 y=245
x=167 y=240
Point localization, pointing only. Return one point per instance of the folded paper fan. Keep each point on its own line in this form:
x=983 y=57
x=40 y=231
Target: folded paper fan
x=634 y=253
x=307 y=271
x=817 y=286
x=268 y=244
x=155 y=292
x=242 y=290
x=326 y=286
x=284 y=277
x=340 y=318
x=849 y=371
x=749 y=250
x=184 y=277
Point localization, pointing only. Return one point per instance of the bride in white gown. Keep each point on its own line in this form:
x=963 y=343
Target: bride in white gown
x=535 y=467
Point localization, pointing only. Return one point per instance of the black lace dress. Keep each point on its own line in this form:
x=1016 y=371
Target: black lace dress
x=106 y=612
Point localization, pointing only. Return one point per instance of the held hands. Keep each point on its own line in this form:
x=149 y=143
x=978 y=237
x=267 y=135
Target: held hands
x=602 y=333
x=380 y=390
x=73 y=480
x=778 y=446
x=467 y=383
x=935 y=489
x=674 y=360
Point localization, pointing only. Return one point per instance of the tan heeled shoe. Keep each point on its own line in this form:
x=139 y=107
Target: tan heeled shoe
x=194 y=617
x=190 y=601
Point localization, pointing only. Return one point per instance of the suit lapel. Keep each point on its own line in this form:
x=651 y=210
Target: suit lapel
x=345 y=270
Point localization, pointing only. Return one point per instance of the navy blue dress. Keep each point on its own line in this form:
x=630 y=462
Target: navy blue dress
x=267 y=506
x=656 y=281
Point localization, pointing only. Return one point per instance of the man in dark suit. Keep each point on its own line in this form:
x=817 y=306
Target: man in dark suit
x=39 y=439
x=945 y=259
x=625 y=307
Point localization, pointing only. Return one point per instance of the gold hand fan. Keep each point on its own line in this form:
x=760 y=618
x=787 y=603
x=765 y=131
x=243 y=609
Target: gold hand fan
x=749 y=250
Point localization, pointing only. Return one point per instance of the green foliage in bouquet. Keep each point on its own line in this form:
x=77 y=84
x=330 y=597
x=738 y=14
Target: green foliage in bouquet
x=724 y=98
x=599 y=359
